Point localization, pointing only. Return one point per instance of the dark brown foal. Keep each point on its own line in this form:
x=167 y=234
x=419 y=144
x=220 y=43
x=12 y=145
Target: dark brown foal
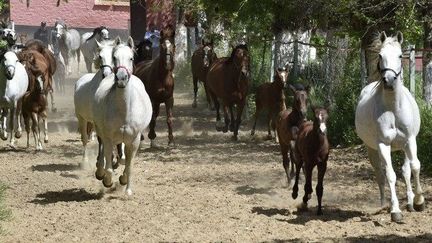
x=288 y=125
x=312 y=149
x=271 y=97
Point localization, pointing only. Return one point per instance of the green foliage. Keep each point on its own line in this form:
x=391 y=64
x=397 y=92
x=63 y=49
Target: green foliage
x=424 y=138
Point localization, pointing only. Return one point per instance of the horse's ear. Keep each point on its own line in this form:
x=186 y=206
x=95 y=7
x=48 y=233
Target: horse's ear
x=130 y=42
x=117 y=41
x=98 y=43
x=383 y=36
x=399 y=36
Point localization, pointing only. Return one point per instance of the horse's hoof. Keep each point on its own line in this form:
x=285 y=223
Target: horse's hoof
x=419 y=207
x=235 y=138
x=18 y=134
x=46 y=140
x=219 y=129
x=129 y=192
x=123 y=180
x=410 y=208
x=396 y=217
x=100 y=175
x=302 y=207
x=3 y=136
x=107 y=182
x=269 y=137
x=252 y=133
x=319 y=212
x=225 y=130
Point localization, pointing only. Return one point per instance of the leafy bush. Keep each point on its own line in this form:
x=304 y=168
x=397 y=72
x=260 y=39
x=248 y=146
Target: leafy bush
x=424 y=138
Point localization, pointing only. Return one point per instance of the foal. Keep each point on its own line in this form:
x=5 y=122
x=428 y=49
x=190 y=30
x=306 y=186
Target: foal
x=270 y=96
x=288 y=124
x=312 y=149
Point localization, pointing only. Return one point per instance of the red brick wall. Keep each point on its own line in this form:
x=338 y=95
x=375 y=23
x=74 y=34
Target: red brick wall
x=76 y=13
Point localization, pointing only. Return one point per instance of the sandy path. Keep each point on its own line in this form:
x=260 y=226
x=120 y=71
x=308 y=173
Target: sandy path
x=208 y=188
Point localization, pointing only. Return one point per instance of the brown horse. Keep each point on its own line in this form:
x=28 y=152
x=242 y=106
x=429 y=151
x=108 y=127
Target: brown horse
x=39 y=46
x=288 y=124
x=35 y=101
x=157 y=76
x=312 y=149
x=228 y=80
x=271 y=97
x=202 y=59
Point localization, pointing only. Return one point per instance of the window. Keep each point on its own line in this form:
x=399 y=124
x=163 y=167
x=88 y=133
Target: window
x=112 y=2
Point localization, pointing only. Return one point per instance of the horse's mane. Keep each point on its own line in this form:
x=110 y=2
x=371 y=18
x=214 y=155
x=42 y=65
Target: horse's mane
x=96 y=31
x=231 y=58
x=60 y=22
x=373 y=51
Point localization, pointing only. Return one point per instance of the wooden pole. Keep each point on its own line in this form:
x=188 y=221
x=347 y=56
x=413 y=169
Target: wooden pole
x=412 y=66
x=138 y=20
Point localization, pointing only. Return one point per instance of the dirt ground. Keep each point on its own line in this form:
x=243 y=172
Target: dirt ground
x=207 y=188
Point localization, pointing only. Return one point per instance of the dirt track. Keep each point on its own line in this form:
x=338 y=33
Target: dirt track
x=207 y=188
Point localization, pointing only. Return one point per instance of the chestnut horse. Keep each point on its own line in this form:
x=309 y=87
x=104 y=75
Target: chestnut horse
x=228 y=80
x=202 y=59
x=312 y=149
x=288 y=124
x=271 y=97
x=157 y=76
x=40 y=47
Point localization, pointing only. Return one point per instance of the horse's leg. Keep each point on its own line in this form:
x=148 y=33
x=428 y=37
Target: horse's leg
x=11 y=125
x=18 y=132
x=169 y=113
x=152 y=134
x=226 y=118
x=233 y=120
x=384 y=152
x=308 y=184
x=45 y=121
x=78 y=54
x=379 y=172
x=3 y=132
x=195 y=84
x=293 y=159
x=100 y=164
x=83 y=127
x=269 y=124
x=35 y=129
x=257 y=111
x=27 y=127
x=210 y=105
x=130 y=151
x=411 y=154
x=285 y=161
x=322 y=167
x=217 y=107
x=108 y=150
x=238 y=120
x=298 y=165
x=121 y=153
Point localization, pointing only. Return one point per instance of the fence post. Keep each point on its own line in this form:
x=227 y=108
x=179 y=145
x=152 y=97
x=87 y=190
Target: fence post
x=363 y=69
x=412 y=65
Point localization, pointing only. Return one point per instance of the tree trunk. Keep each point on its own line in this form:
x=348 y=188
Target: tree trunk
x=427 y=63
x=138 y=20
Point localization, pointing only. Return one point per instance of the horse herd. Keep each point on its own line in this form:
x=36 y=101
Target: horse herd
x=123 y=97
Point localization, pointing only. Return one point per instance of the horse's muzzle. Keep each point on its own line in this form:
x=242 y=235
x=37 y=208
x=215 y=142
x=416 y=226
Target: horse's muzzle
x=122 y=83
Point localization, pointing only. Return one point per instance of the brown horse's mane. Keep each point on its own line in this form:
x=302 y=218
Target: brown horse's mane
x=231 y=58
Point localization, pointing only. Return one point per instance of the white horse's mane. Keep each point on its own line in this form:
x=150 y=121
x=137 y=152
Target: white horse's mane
x=373 y=54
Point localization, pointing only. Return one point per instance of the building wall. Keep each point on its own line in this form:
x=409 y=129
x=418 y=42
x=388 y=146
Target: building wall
x=76 y=13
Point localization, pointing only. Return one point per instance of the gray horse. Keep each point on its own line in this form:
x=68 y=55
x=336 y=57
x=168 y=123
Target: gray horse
x=69 y=41
x=89 y=47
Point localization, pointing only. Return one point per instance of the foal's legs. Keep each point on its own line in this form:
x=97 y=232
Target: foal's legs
x=379 y=172
x=257 y=111
x=45 y=121
x=83 y=129
x=322 y=166
x=286 y=162
x=414 y=163
x=152 y=133
x=308 y=184
x=18 y=132
x=238 y=120
x=27 y=127
x=384 y=152
x=36 y=131
x=4 y=116
x=108 y=149
x=195 y=84
x=169 y=107
x=100 y=164
x=12 y=125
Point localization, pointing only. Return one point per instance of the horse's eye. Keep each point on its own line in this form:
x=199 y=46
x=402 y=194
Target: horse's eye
x=400 y=56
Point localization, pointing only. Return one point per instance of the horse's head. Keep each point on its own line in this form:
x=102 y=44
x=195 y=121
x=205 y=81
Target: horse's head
x=60 y=28
x=9 y=35
x=105 y=59
x=167 y=51
x=123 y=61
x=104 y=33
x=281 y=76
x=208 y=52
x=320 y=119
x=390 y=60
x=143 y=51
x=241 y=59
x=9 y=63
x=300 y=98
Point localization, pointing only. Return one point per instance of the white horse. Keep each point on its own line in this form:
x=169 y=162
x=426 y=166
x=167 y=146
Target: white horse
x=69 y=41
x=85 y=89
x=89 y=47
x=13 y=85
x=387 y=119
x=122 y=110
x=60 y=73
